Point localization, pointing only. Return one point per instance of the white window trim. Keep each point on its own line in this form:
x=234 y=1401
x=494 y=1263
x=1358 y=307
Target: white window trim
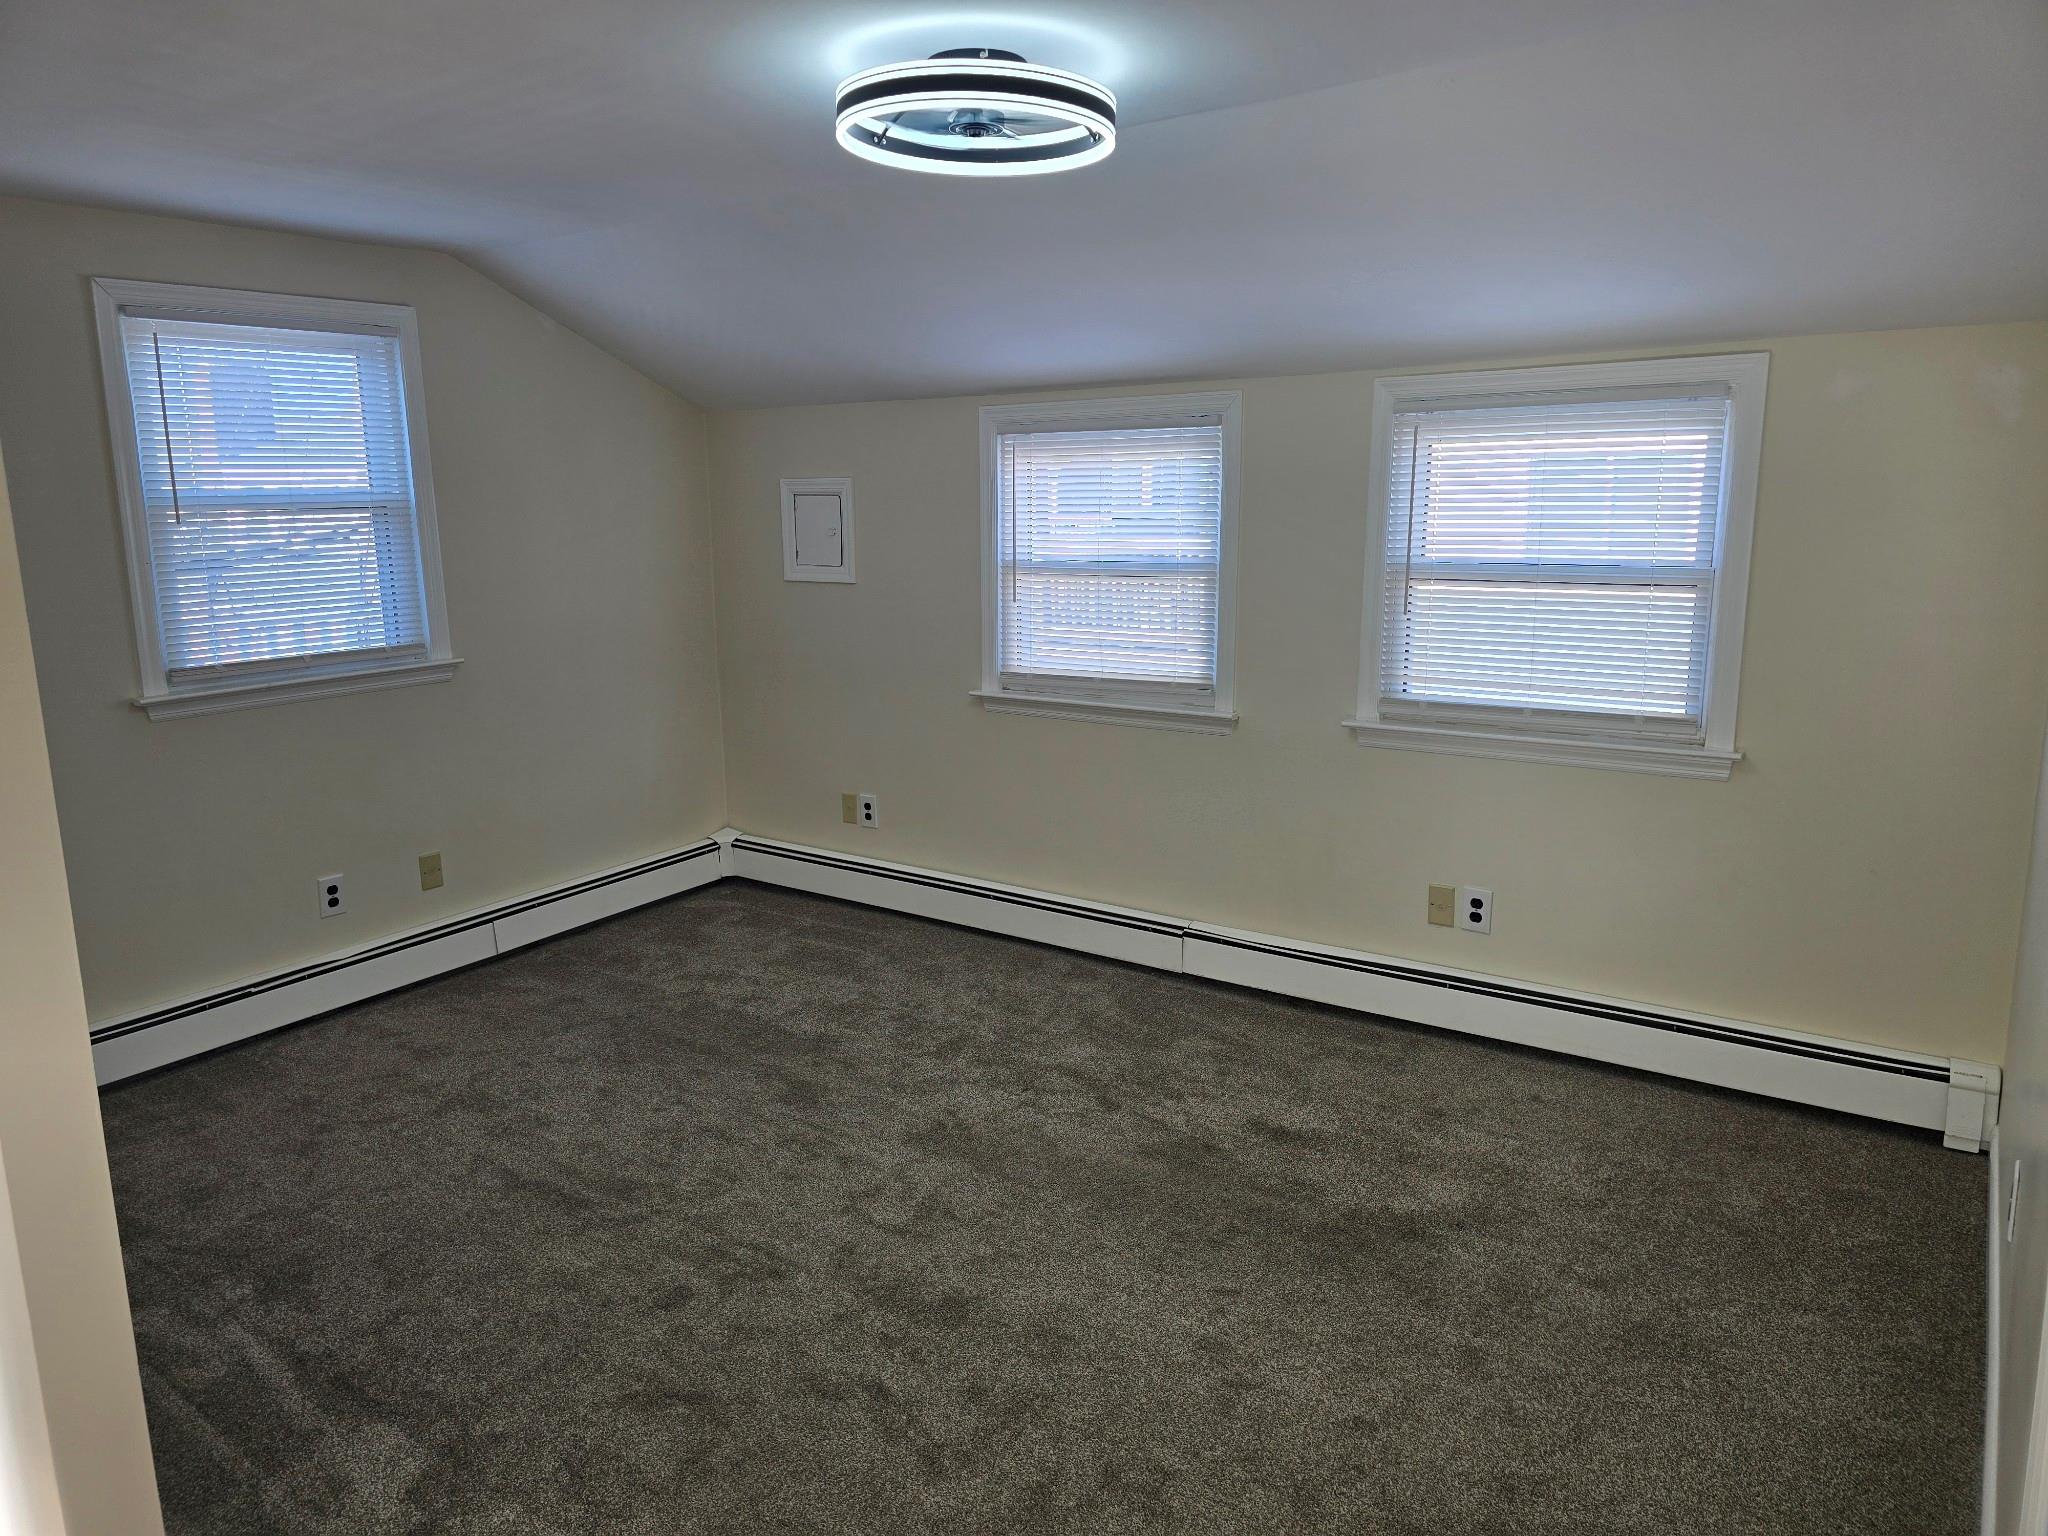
x=314 y=679
x=1090 y=415
x=1744 y=374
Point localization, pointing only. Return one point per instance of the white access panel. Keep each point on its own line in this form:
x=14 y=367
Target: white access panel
x=817 y=529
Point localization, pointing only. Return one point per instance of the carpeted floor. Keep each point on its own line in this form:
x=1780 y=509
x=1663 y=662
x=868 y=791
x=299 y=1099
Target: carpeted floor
x=756 y=1212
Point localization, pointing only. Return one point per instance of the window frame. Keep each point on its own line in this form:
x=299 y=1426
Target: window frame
x=1471 y=731
x=281 y=681
x=1117 y=706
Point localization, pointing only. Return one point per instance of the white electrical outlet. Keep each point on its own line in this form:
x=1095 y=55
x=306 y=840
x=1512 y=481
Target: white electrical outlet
x=866 y=812
x=1475 y=909
x=333 y=897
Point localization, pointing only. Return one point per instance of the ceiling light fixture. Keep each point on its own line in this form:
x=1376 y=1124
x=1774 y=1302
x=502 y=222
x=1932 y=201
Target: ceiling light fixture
x=976 y=112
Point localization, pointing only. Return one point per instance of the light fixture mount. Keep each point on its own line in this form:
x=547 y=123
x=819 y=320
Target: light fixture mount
x=976 y=112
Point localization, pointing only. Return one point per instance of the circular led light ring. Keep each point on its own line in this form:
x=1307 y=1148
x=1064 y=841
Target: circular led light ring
x=866 y=102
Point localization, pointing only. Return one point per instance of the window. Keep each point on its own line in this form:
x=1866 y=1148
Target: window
x=279 y=518
x=1110 y=543
x=1559 y=563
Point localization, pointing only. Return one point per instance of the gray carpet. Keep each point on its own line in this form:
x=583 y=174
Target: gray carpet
x=756 y=1212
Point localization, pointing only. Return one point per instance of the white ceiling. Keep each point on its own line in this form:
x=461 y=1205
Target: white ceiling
x=1299 y=184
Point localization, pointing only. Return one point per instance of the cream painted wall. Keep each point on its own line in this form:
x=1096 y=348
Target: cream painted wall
x=581 y=731
x=1859 y=876
x=75 y=1369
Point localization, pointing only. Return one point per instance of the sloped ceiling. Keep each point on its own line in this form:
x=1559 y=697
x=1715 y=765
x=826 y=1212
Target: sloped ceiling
x=1300 y=184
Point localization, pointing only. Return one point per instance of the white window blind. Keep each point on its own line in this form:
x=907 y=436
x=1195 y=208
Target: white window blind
x=1109 y=561
x=277 y=492
x=1552 y=563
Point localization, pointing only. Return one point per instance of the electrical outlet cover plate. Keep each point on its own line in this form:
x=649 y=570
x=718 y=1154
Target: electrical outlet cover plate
x=1475 y=909
x=332 y=896
x=869 y=814
x=430 y=871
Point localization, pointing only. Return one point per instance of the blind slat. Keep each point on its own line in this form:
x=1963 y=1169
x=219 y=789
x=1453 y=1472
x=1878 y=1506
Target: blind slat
x=277 y=488
x=1554 y=558
x=1110 y=551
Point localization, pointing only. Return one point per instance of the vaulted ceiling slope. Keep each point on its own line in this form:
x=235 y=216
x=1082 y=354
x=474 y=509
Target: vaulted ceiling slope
x=1300 y=184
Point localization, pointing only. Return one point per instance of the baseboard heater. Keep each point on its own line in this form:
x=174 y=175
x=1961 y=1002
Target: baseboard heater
x=141 y=1042
x=1956 y=1097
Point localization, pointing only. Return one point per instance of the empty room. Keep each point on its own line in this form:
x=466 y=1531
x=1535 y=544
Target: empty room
x=827 y=767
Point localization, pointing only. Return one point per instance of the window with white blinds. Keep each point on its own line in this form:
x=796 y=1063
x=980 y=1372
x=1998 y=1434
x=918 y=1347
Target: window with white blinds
x=1553 y=560
x=274 y=494
x=1110 y=562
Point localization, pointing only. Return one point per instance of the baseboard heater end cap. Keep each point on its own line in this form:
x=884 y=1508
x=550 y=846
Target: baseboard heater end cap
x=1973 y=1090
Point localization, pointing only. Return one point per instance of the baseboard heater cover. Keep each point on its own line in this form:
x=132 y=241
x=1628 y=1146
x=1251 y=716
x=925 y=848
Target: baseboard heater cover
x=1884 y=1084
x=1956 y=1097
x=1120 y=933
x=156 y=1037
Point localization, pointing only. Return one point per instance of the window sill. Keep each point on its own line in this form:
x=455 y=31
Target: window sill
x=1158 y=717
x=1682 y=762
x=252 y=694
